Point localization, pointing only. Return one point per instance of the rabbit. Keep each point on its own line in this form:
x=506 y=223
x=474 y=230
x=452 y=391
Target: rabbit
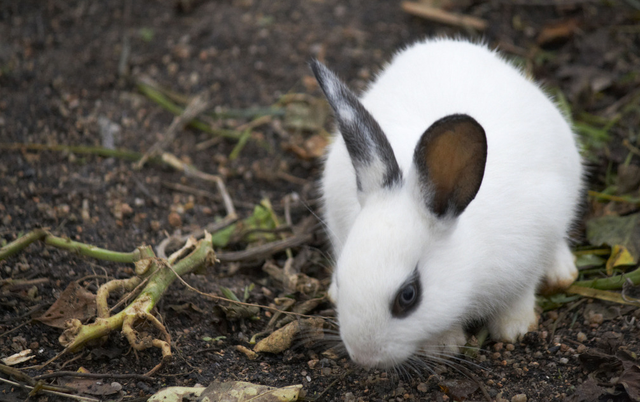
x=448 y=196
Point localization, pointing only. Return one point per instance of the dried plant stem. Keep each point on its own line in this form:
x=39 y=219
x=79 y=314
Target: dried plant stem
x=157 y=96
x=442 y=16
x=197 y=105
x=599 y=294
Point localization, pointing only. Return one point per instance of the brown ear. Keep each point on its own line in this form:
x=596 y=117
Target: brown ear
x=450 y=158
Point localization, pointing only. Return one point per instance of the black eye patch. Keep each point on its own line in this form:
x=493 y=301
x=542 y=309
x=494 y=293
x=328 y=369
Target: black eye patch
x=408 y=297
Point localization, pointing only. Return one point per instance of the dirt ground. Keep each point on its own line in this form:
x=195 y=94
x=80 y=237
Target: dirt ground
x=68 y=76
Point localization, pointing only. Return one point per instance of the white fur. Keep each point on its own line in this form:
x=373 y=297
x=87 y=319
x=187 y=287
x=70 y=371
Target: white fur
x=487 y=262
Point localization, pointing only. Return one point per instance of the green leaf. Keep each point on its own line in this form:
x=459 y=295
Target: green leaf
x=221 y=237
x=589 y=260
x=616 y=230
x=226 y=292
x=555 y=301
x=146 y=34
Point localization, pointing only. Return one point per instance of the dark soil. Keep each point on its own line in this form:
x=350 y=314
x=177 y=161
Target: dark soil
x=60 y=77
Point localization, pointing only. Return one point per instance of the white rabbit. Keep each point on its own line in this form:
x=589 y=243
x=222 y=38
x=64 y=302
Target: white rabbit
x=448 y=198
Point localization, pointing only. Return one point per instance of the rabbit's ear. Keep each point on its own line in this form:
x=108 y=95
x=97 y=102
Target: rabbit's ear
x=450 y=159
x=371 y=154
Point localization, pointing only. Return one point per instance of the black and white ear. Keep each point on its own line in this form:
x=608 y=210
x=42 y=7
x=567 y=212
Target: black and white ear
x=450 y=159
x=371 y=154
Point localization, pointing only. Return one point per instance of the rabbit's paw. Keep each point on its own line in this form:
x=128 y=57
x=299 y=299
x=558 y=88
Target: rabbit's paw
x=447 y=344
x=561 y=273
x=516 y=321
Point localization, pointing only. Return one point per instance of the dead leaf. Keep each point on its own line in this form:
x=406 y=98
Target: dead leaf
x=238 y=391
x=620 y=257
x=291 y=280
x=594 y=360
x=177 y=394
x=279 y=340
x=628 y=178
x=282 y=339
x=588 y=391
x=630 y=380
x=459 y=390
x=608 y=312
x=18 y=358
x=616 y=230
x=93 y=387
x=74 y=302
x=306 y=149
x=306 y=116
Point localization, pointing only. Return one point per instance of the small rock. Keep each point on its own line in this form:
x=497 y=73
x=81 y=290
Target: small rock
x=498 y=346
x=175 y=220
x=116 y=386
x=349 y=397
x=62 y=210
x=312 y=363
x=499 y=398
x=581 y=349
x=126 y=209
x=596 y=319
x=422 y=387
x=510 y=347
x=326 y=371
x=86 y=216
x=155 y=225
x=519 y=398
x=582 y=337
x=563 y=360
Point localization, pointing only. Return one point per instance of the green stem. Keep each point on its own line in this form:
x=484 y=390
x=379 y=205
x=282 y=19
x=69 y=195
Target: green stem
x=76 y=149
x=92 y=251
x=157 y=96
x=157 y=284
x=611 y=283
x=21 y=243
x=241 y=143
x=616 y=198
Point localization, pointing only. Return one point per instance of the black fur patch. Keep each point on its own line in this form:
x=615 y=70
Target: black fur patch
x=362 y=134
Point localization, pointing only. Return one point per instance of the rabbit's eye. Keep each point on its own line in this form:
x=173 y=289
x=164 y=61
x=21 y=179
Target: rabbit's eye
x=407 y=298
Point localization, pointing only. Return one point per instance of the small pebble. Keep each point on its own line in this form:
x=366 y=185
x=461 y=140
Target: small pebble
x=519 y=398
x=312 y=363
x=510 y=347
x=596 y=319
x=563 y=360
x=422 y=387
x=581 y=349
x=175 y=220
x=582 y=337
